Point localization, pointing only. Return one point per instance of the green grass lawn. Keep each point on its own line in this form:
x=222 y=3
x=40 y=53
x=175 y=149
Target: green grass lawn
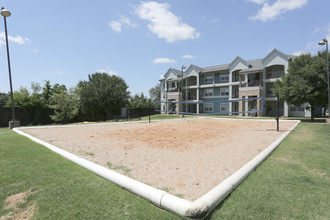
x=293 y=183
x=62 y=189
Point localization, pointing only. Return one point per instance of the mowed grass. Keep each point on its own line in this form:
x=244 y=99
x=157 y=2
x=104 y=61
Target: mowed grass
x=62 y=189
x=293 y=183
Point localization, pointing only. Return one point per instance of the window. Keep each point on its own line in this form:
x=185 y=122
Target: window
x=294 y=108
x=234 y=92
x=224 y=91
x=208 y=78
x=173 y=85
x=208 y=92
x=242 y=77
x=269 y=74
x=224 y=107
x=275 y=71
x=224 y=78
x=270 y=92
x=208 y=107
x=235 y=76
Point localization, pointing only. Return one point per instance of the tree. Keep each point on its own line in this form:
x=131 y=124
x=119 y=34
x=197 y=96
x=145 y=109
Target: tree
x=155 y=92
x=48 y=90
x=65 y=105
x=102 y=94
x=138 y=101
x=305 y=82
x=155 y=95
x=25 y=99
x=4 y=97
x=21 y=98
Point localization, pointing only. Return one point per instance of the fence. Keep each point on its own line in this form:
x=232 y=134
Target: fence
x=26 y=117
x=42 y=116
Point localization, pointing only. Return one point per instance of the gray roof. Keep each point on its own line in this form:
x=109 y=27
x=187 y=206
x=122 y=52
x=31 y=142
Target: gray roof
x=255 y=65
x=198 y=68
x=215 y=68
x=176 y=72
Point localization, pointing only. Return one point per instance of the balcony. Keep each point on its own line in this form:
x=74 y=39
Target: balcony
x=252 y=83
x=274 y=72
x=192 y=97
x=274 y=75
x=192 y=82
x=172 y=90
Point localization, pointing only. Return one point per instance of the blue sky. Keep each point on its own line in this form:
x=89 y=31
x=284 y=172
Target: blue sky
x=65 y=40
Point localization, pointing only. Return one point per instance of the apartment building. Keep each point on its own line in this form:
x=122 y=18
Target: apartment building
x=240 y=79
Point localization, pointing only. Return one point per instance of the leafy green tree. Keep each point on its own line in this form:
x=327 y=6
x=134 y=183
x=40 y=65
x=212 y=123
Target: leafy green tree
x=21 y=98
x=48 y=90
x=102 y=94
x=4 y=97
x=25 y=99
x=138 y=101
x=65 y=105
x=155 y=95
x=305 y=82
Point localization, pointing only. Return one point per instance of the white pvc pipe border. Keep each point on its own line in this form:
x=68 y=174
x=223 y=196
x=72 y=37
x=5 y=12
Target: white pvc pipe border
x=197 y=209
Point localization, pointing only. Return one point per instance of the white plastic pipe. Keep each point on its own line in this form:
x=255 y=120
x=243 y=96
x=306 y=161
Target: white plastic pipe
x=197 y=209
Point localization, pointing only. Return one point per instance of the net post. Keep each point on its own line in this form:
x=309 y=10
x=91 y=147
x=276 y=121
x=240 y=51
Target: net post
x=149 y=110
x=277 y=110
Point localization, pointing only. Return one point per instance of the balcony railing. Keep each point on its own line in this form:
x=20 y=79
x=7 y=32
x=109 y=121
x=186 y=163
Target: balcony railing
x=254 y=83
x=193 y=83
x=275 y=74
x=173 y=89
x=192 y=97
x=235 y=95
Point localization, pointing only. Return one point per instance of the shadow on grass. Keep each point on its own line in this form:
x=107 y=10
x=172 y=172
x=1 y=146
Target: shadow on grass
x=316 y=120
x=217 y=208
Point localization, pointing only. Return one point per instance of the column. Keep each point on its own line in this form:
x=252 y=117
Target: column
x=230 y=97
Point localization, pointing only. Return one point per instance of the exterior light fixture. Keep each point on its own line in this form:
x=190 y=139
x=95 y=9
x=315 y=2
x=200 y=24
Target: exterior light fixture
x=325 y=42
x=14 y=122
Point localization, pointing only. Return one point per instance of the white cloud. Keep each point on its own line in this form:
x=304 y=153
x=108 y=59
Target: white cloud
x=115 y=25
x=161 y=76
x=125 y=20
x=58 y=72
x=164 y=23
x=164 y=60
x=108 y=71
x=257 y=1
x=188 y=57
x=328 y=32
x=216 y=20
x=270 y=12
x=298 y=53
x=18 y=39
x=316 y=30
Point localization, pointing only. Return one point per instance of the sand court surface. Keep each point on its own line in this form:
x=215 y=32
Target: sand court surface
x=186 y=157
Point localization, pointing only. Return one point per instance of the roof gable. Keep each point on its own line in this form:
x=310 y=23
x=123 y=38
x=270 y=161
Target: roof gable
x=275 y=57
x=238 y=63
x=172 y=73
x=240 y=59
x=274 y=52
x=193 y=70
